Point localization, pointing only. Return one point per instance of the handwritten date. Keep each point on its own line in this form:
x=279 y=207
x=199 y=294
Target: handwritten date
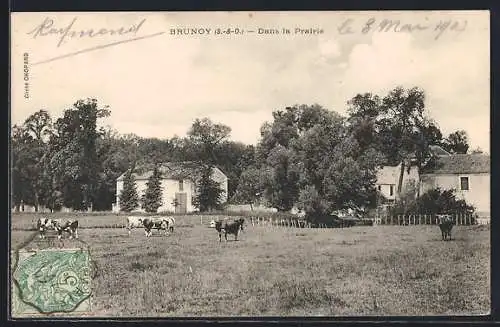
x=389 y=25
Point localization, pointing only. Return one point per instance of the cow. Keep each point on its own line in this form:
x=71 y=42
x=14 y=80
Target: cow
x=70 y=226
x=44 y=224
x=233 y=227
x=171 y=222
x=445 y=225
x=133 y=222
x=154 y=223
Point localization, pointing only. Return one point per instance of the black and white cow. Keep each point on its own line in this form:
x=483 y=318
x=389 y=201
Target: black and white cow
x=171 y=223
x=44 y=224
x=134 y=222
x=154 y=223
x=70 y=226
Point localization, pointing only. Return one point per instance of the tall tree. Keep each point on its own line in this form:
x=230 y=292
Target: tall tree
x=404 y=119
x=335 y=171
x=152 y=197
x=275 y=155
x=206 y=136
x=129 y=198
x=30 y=148
x=74 y=153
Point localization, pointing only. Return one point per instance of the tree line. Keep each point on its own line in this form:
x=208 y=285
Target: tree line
x=307 y=156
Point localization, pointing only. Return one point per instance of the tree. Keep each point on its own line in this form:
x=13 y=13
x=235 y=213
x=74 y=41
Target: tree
x=281 y=182
x=457 y=142
x=404 y=119
x=208 y=195
x=129 y=199
x=73 y=146
x=206 y=135
x=152 y=197
x=249 y=188
x=310 y=157
x=29 y=151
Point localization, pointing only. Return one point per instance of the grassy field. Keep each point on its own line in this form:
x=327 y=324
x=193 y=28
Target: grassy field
x=381 y=270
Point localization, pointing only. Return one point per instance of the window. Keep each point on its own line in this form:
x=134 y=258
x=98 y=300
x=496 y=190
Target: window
x=464 y=183
x=181 y=185
x=391 y=190
x=380 y=187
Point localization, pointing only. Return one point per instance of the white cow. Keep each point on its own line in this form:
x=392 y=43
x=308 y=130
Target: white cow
x=134 y=222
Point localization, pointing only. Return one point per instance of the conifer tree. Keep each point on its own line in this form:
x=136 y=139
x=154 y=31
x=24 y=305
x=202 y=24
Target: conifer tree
x=209 y=193
x=129 y=199
x=152 y=197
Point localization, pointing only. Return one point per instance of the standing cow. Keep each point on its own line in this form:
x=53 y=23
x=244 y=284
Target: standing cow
x=154 y=223
x=69 y=226
x=229 y=228
x=445 y=225
x=133 y=222
x=44 y=224
x=171 y=222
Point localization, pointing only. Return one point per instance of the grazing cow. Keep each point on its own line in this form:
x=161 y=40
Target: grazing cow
x=44 y=224
x=229 y=228
x=70 y=226
x=154 y=223
x=445 y=225
x=133 y=222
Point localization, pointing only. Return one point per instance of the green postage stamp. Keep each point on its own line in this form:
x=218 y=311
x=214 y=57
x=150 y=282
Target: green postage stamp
x=51 y=281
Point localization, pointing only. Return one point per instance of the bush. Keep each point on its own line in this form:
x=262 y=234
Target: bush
x=432 y=202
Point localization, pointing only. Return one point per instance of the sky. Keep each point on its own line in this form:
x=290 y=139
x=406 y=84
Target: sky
x=157 y=84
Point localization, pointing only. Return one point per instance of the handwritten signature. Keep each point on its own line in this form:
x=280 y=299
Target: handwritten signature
x=47 y=28
x=389 y=25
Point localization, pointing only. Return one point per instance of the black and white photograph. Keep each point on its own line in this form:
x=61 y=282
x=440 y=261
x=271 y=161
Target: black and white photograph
x=249 y=164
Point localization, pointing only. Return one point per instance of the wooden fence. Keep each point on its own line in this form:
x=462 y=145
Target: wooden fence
x=279 y=222
x=459 y=219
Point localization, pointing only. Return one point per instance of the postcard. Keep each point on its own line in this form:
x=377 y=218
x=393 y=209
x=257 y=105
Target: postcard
x=240 y=164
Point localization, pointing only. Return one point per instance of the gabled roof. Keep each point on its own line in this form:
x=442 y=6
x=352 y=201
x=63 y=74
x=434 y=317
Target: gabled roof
x=171 y=170
x=438 y=151
x=459 y=164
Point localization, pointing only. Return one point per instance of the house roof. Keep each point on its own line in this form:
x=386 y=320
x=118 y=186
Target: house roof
x=171 y=170
x=459 y=164
x=438 y=151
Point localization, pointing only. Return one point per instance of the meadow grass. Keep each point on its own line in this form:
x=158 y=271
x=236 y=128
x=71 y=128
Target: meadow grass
x=280 y=271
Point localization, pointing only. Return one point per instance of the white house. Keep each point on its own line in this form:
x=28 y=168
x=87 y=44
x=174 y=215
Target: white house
x=388 y=179
x=178 y=186
x=467 y=174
